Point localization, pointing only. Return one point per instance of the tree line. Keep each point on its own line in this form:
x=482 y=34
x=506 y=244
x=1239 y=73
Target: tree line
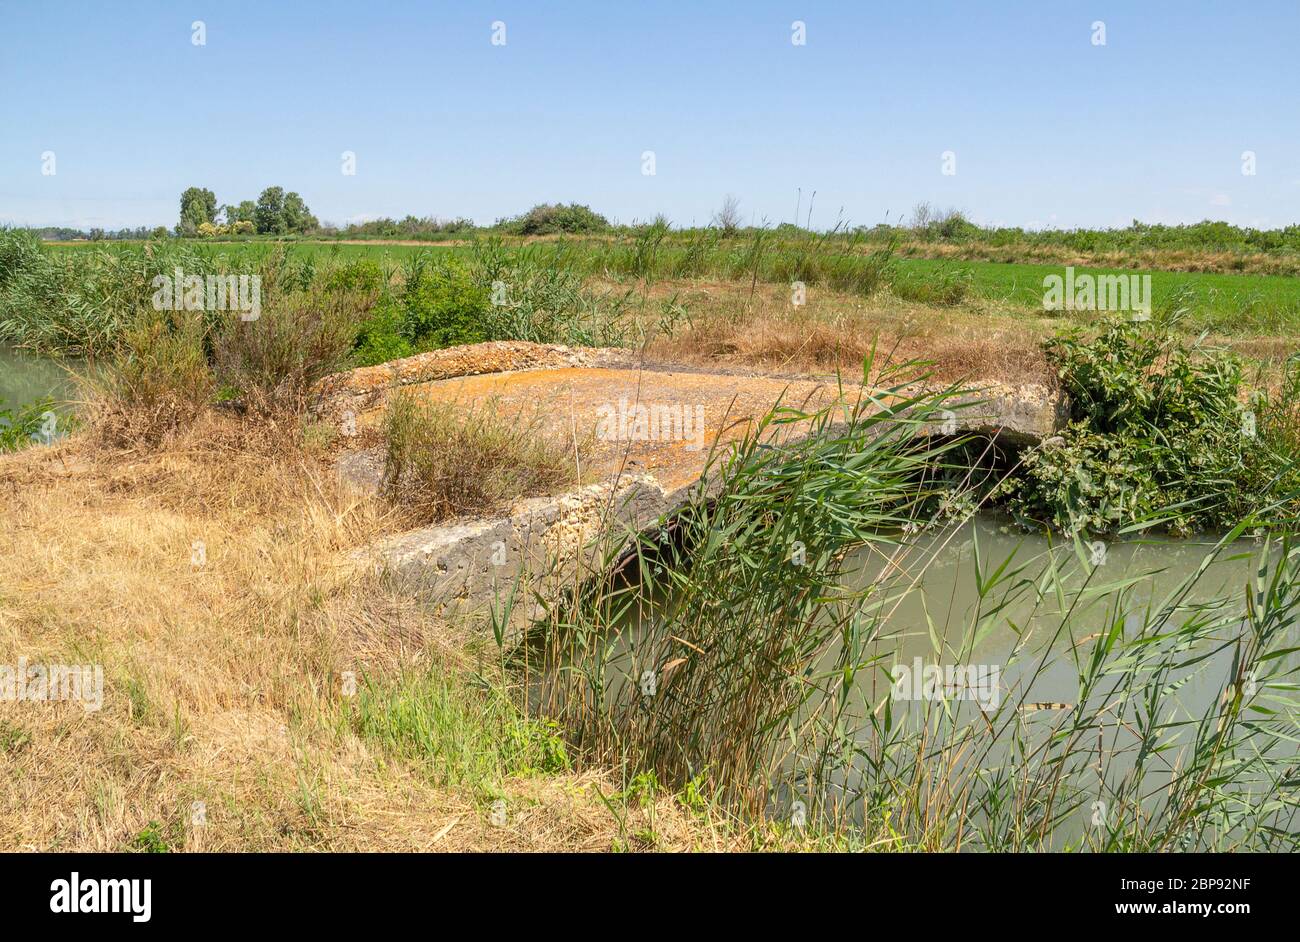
x=275 y=212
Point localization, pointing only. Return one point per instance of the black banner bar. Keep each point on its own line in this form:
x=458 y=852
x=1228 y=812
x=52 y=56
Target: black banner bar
x=338 y=892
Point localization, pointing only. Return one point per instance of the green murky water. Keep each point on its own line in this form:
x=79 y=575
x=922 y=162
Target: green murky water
x=1025 y=644
x=1029 y=636
x=25 y=378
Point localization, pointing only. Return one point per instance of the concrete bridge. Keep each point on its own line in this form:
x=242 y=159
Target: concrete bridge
x=648 y=429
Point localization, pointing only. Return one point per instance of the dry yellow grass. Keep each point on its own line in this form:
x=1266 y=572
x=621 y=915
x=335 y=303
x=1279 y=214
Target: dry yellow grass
x=1164 y=259
x=974 y=341
x=836 y=331
x=222 y=681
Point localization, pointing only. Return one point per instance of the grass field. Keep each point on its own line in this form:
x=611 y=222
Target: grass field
x=1231 y=304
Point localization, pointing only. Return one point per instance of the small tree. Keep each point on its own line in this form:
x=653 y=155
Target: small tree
x=728 y=217
x=269 y=214
x=922 y=215
x=197 y=207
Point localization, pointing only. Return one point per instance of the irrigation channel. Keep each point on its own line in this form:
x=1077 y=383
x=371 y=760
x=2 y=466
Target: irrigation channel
x=1015 y=681
x=27 y=377
x=1012 y=670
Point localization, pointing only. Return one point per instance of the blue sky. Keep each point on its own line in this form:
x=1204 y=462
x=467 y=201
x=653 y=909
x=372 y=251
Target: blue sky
x=1048 y=129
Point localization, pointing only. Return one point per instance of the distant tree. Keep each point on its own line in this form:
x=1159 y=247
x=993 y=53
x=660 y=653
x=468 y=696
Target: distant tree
x=297 y=217
x=159 y=232
x=246 y=211
x=269 y=214
x=197 y=207
x=727 y=218
x=922 y=215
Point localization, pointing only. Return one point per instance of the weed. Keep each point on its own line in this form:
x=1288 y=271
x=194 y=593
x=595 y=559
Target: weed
x=277 y=359
x=446 y=459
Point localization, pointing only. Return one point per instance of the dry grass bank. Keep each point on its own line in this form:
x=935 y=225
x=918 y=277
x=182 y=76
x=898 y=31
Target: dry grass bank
x=739 y=325
x=224 y=672
x=1179 y=260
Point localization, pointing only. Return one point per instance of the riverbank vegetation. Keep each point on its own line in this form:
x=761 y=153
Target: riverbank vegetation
x=194 y=540
x=24 y=425
x=752 y=653
x=927 y=230
x=725 y=298
x=1160 y=429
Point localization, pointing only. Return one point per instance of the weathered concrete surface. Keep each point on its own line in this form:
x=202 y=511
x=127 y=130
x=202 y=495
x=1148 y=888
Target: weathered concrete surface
x=1019 y=415
x=543 y=544
x=646 y=435
x=365 y=389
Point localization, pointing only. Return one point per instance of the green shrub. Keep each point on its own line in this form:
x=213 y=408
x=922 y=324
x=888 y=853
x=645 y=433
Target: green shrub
x=1158 y=432
x=547 y=218
x=443 y=305
x=362 y=276
x=380 y=338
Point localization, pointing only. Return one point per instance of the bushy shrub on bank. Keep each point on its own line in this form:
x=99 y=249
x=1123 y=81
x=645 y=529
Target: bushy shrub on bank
x=1158 y=430
x=440 y=304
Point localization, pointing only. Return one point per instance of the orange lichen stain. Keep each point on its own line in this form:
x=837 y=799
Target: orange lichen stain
x=570 y=402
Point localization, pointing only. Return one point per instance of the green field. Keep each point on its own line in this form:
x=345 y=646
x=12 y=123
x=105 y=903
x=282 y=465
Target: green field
x=1226 y=303
x=1235 y=304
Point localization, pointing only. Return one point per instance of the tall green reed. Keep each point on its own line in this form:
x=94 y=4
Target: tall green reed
x=737 y=647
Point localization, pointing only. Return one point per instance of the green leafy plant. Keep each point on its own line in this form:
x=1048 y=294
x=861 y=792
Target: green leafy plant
x=442 y=304
x=25 y=425
x=1158 y=434
x=153 y=839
